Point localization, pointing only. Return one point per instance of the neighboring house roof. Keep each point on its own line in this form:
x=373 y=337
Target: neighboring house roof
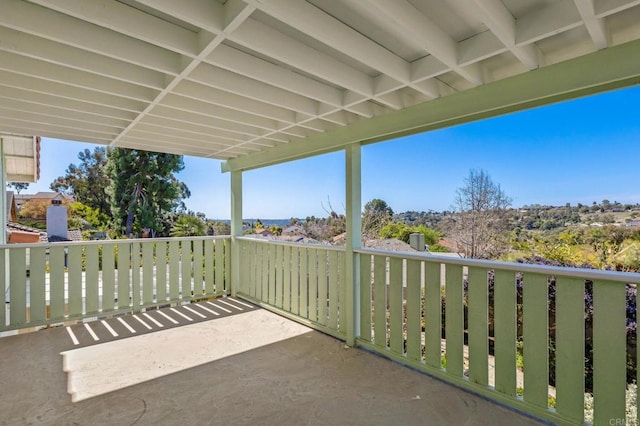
x=24 y=228
x=390 y=244
x=74 y=234
x=340 y=238
x=293 y=230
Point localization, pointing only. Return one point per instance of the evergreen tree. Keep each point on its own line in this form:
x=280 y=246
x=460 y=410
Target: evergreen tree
x=18 y=186
x=88 y=181
x=143 y=188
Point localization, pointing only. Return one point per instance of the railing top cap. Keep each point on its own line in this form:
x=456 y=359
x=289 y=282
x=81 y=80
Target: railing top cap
x=117 y=241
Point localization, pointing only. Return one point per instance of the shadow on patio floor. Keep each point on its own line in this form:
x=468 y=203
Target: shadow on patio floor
x=308 y=379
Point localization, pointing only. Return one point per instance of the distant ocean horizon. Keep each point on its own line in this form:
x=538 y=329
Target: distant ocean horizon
x=265 y=222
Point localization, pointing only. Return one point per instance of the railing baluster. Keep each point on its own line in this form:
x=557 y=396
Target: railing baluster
x=609 y=352
x=454 y=320
x=174 y=270
x=248 y=279
x=162 y=294
x=414 y=328
x=433 y=315
x=505 y=331
x=56 y=283
x=264 y=279
x=333 y=292
x=478 y=302
x=198 y=278
x=18 y=286
x=108 y=277
x=535 y=332
x=208 y=265
x=74 y=262
x=147 y=273
x=286 y=284
x=136 y=270
x=279 y=277
x=91 y=279
x=570 y=347
x=395 y=305
x=380 y=294
x=322 y=287
x=313 y=284
x=124 y=270
x=37 y=285
x=304 y=283
x=226 y=288
x=366 y=308
x=295 y=280
x=186 y=269
x=221 y=267
x=4 y=286
x=271 y=275
x=342 y=293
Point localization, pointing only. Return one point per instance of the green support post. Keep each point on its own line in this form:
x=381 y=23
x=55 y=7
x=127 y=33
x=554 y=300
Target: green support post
x=236 y=228
x=354 y=237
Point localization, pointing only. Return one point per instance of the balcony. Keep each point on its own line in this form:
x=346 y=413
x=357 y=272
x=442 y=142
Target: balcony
x=161 y=331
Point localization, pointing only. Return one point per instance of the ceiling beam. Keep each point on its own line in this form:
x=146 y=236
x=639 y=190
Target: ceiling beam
x=500 y=22
x=78 y=59
x=436 y=42
x=34 y=84
x=233 y=16
x=56 y=73
x=252 y=89
x=206 y=14
x=609 y=69
x=323 y=27
x=64 y=105
x=595 y=26
x=241 y=63
x=42 y=22
x=127 y=20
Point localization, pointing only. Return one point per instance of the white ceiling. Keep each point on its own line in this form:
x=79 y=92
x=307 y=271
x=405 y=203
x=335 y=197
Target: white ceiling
x=224 y=79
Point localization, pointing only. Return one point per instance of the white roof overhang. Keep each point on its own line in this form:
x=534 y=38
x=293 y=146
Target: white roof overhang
x=258 y=82
x=21 y=158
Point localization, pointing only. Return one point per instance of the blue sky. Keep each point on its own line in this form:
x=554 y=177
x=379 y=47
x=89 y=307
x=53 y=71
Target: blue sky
x=578 y=152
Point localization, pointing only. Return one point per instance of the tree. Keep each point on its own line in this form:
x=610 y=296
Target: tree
x=479 y=222
x=18 y=186
x=376 y=215
x=402 y=232
x=88 y=181
x=35 y=209
x=188 y=226
x=144 y=190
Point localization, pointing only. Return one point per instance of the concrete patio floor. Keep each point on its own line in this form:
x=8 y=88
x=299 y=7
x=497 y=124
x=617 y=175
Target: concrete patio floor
x=225 y=365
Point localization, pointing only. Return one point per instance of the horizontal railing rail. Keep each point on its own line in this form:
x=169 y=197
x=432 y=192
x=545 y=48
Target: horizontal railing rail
x=50 y=283
x=539 y=338
x=302 y=281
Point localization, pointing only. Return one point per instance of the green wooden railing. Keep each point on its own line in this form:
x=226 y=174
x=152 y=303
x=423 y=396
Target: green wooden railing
x=511 y=332
x=303 y=282
x=45 y=284
x=461 y=320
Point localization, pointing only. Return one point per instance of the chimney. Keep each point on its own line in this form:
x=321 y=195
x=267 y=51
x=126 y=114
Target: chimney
x=416 y=241
x=57 y=222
